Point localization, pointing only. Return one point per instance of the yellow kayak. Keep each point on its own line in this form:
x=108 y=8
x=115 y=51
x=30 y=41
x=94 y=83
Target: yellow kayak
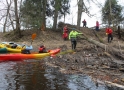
x=12 y=50
x=9 y=45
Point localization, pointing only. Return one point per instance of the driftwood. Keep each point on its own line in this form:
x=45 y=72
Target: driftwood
x=121 y=45
x=111 y=84
x=107 y=48
x=97 y=36
x=109 y=55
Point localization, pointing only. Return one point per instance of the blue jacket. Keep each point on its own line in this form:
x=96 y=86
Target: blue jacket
x=29 y=47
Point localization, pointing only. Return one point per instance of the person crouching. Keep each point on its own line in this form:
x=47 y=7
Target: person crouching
x=27 y=49
x=42 y=49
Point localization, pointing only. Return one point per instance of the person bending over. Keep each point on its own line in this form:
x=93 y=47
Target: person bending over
x=42 y=49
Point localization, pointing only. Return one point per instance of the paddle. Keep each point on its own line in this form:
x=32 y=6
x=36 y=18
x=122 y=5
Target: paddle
x=33 y=37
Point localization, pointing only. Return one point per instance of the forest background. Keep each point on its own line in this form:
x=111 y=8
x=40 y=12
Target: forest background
x=17 y=15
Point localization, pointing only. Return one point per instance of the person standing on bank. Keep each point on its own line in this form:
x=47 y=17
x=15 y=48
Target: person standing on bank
x=84 y=23
x=109 y=33
x=73 y=37
x=97 y=26
x=42 y=49
x=65 y=32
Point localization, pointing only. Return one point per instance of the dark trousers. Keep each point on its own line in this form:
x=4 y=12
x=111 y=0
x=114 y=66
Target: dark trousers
x=25 y=51
x=73 y=43
x=97 y=28
x=43 y=51
x=84 y=25
x=110 y=38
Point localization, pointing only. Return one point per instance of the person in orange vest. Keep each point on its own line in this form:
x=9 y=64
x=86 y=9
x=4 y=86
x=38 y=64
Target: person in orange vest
x=109 y=33
x=42 y=49
x=65 y=32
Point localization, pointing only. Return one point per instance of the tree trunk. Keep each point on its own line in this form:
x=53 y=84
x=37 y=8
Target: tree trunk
x=119 y=34
x=44 y=14
x=64 y=17
x=80 y=5
x=55 y=20
x=4 y=26
x=11 y=21
x=8 y=8
x=18 y=32
x=55 y=16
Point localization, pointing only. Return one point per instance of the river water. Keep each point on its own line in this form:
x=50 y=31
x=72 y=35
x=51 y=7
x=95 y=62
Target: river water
x=32 y=75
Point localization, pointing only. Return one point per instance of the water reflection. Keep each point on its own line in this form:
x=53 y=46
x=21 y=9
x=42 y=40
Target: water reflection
x=83 y=82
x=70 y=82
x=31 y=75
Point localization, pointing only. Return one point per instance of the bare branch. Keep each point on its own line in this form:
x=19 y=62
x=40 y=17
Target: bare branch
x=85 y=9
x=2 y=17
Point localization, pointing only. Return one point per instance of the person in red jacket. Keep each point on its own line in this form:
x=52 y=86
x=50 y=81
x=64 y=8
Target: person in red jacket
x=109 y=33
x=97 y=26
x=84 y=23
x=42 y=49
x=65 y=32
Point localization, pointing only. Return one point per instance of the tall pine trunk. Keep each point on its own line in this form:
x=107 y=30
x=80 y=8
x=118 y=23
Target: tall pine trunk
x=80 y=7
x=55 y=15
x=55 y=20
x=7 y=14
x=44 y=15
x=17 y=31
x=11 y=22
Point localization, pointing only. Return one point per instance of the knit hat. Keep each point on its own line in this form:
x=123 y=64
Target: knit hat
x=41 y=46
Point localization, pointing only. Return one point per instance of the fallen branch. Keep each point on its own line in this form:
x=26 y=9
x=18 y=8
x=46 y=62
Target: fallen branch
x=100 y=39
x=110 y=50
x=111 y=84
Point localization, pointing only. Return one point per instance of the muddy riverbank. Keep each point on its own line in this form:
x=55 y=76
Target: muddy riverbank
x=88 y=59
